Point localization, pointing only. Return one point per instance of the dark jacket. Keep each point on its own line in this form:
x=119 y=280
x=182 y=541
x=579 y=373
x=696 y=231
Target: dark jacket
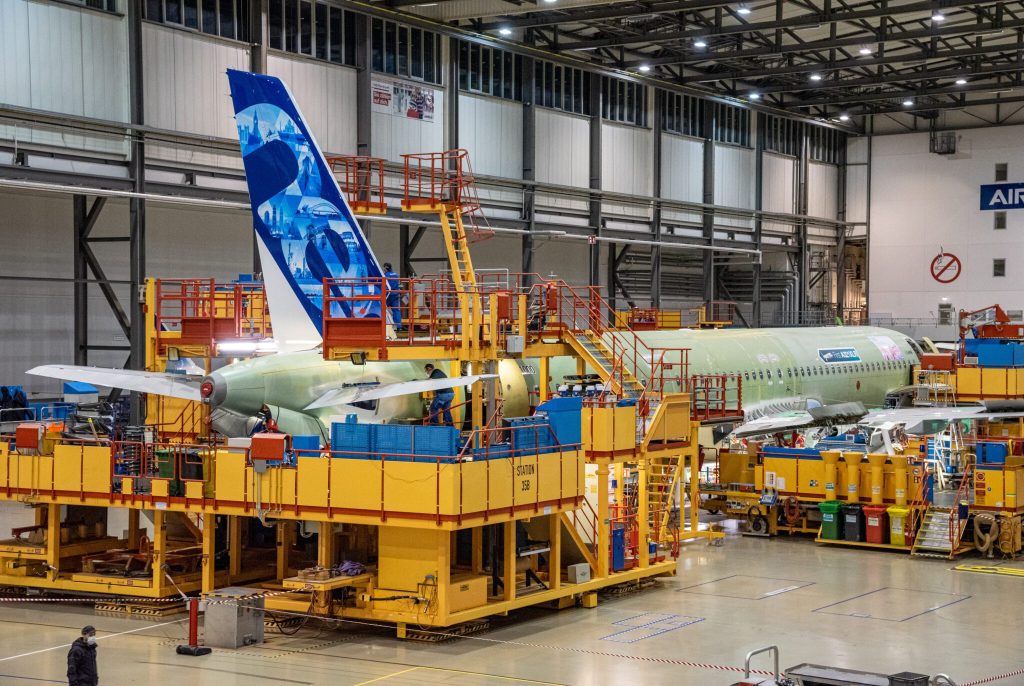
x=82 y=664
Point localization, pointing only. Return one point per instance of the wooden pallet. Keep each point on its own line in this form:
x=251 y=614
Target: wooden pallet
x=139 y=609
x=438 y=635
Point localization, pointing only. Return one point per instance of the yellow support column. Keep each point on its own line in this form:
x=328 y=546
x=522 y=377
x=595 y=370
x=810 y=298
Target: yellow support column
x=555 y=554
x=443 y=580
x=603 y=524
x=159 y=551
x=510 y=560
x=325 y=545
x=209 y=552
x=477 y=543
x=544 y=378
x=134 y=530
x=234 y=547
x=643 y=533
x=53 y=537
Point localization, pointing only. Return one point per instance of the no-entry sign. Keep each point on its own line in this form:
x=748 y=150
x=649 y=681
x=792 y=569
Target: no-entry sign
x=946 y=267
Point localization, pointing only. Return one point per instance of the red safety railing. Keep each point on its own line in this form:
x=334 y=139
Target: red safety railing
x=203 y=312
x=964 y=496
x=441 y=181
x=361 y=179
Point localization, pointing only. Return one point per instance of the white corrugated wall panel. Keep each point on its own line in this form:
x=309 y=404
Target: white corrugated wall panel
x=63 y=59
x=186 y=89
x=822 y=190
x=491 y=129
x=627 y=166
x=734 y=181
x=779 y=185
x=563 y=155
x=326 y=95
x=682 y=174
x=394 y=135
x=857 y=193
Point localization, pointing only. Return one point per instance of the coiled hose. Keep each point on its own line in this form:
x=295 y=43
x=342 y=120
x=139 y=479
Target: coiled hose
x=986 y=541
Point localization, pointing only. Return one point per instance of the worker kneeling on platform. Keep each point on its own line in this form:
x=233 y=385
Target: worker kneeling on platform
x=82 y=660
x=442 y=398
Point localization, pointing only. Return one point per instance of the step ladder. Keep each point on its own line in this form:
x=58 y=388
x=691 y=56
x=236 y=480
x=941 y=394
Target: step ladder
x=457 y=245
x=933 y=537
x=663 y=476
x=592 y=348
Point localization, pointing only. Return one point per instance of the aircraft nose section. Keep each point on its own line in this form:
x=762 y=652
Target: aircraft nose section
x=213 y=390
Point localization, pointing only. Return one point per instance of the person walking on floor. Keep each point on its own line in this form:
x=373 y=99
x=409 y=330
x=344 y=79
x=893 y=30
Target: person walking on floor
x=82 y=660
x=443 y=398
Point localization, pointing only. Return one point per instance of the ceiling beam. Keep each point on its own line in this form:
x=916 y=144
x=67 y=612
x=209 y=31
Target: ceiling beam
x=616 y=11
x=855 y=63
x=919 y=107
x=907 y=94
x=802 y=21
x=879 y=37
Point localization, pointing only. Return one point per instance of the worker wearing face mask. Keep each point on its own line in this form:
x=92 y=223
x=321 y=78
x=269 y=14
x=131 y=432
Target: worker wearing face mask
x=82 y=660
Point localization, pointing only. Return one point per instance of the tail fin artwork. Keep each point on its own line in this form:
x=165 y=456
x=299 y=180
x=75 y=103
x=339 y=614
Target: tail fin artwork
x=305 y=230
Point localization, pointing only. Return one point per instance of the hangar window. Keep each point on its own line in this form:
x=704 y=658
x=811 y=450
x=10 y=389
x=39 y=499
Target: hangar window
x=1002 y=171
x=623 y=101
x=225 y=18
x=490 y=71
x=560 y=87
x=999 y=267
x=731 y=124
x=108 y=5
x=827 y=145
x=682 y=114
x=403 y=51
x=304 y=28
x=999 y=220
x=782 y=135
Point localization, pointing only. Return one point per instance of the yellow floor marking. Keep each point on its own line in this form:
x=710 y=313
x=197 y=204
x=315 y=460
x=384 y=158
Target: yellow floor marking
x=388 y=676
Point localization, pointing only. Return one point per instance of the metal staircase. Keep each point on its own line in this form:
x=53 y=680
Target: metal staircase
x=942 y=529
x=455 y=241
x=591 y=347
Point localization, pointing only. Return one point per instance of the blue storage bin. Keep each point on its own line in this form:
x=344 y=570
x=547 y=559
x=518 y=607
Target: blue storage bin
x=991 y=452
x=393 y=440
x=436 y=440
x=353 y=440
x=995 y=354
x=306 y=445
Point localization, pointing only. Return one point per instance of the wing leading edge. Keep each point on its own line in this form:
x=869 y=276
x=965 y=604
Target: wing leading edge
x=173 y=385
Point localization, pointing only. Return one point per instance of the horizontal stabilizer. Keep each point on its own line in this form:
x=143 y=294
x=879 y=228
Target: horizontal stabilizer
x=174 y=385
x=347 y=395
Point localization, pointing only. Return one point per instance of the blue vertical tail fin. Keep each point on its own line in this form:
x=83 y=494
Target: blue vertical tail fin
x=305 y=230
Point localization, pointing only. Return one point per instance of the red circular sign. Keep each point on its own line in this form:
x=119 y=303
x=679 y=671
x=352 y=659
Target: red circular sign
x=946 y=267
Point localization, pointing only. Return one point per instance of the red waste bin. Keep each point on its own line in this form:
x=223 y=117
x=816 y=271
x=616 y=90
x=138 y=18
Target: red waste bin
x=876 y=524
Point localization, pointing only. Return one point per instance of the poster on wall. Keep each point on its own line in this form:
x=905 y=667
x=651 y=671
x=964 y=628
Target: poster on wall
x=402 y=100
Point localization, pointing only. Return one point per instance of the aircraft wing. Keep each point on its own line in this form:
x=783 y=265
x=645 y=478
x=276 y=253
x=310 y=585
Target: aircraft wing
x=839 y=413
x=353 y=394
x=174 y=385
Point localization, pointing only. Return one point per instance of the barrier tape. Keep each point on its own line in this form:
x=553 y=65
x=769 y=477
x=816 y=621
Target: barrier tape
x=988 y=680
x=95 y=599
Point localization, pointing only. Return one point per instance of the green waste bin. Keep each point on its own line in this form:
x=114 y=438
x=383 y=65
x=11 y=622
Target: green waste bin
x=831 y=520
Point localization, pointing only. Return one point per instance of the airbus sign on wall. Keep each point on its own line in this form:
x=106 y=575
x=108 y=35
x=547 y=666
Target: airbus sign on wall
x=1002 y=196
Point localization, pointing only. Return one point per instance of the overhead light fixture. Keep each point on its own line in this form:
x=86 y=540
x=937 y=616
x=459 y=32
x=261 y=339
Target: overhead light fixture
x=550 y=2
x=816 y=77
x=938 y=16
x=844 y=117
x=961 y=82
x=645 y=68
x=865 y=50
x=743 y=10
x=505 y=31
x=755 y=96
x=908 y=103
x=700 y=43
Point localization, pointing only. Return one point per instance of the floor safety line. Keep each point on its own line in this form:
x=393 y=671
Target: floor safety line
x=1000 y=677
x=387 y=676
x=98 y=638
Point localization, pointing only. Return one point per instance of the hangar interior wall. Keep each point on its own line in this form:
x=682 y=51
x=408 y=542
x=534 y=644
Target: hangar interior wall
x=912 y=220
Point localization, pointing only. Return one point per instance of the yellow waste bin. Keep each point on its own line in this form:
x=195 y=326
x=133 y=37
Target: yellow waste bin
x=897 y=521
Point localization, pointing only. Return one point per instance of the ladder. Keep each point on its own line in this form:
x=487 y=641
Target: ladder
x=591 y=347
x=454 y=232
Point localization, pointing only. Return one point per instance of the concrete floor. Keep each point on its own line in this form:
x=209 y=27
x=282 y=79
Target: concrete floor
x=876 y=611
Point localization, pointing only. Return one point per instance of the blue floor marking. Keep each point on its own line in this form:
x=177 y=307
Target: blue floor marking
x=647 y=625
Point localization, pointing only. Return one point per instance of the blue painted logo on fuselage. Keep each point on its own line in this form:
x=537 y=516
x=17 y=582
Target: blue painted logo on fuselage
x=1002 y=196
x=834 y=355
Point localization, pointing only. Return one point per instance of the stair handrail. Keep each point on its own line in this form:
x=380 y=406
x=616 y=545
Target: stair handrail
x=917 y=505
x=964 y=491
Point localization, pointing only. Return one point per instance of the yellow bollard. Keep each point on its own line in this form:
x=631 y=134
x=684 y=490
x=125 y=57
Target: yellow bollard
x=900 y=478
x=853 y=461
x=877 y=462
x=831 y=460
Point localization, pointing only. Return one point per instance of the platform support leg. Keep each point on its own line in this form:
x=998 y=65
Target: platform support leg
x=209 y=552
x=134 y=529
x=444 y=565
x=478 y=549
x=555 y=554
x=325 y=545
x=53 y=537
x=400 y=630
x=234 y=547
x=510 y=560
x=159 y=551
x=643 y=528
x=284 y=545
x=544 y=382
x=603 y=527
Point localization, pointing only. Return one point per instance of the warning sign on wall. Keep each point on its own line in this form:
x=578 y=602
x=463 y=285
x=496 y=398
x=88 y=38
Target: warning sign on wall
x=946 y=267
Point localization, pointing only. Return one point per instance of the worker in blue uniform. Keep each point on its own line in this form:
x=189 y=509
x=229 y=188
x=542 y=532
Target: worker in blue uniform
x=394 y=297
x=443 y=398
